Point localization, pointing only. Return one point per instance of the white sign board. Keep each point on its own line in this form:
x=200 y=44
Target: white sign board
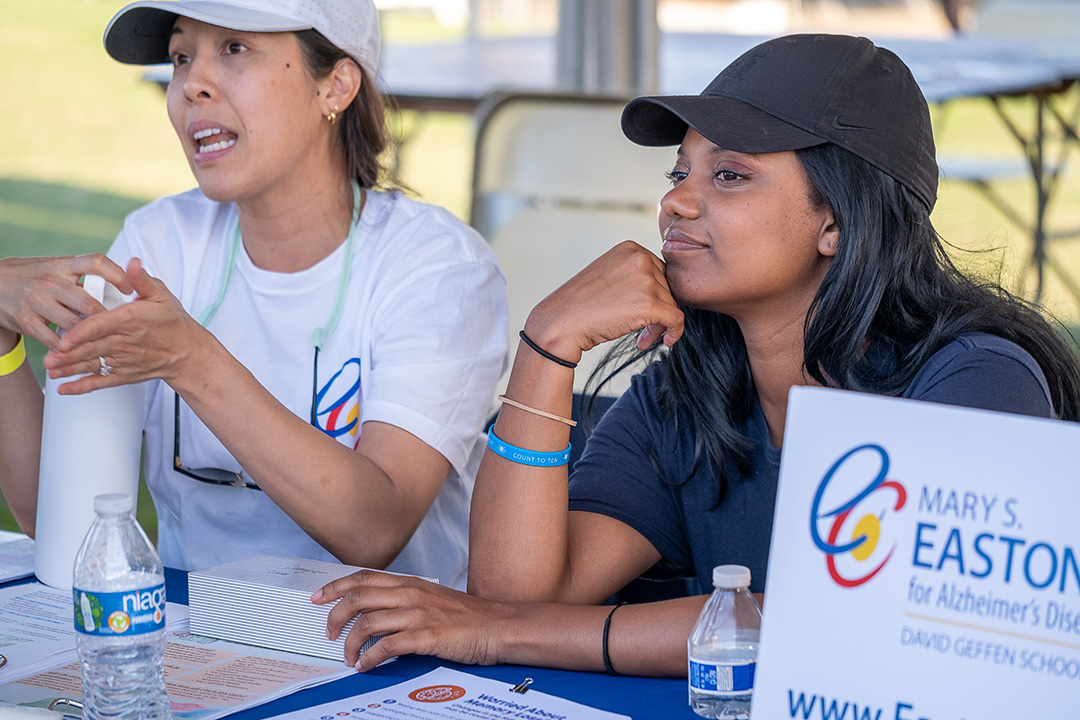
x=925 y=564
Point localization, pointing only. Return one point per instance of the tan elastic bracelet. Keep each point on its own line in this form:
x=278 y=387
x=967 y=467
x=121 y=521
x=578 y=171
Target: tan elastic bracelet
x=10 y=363
x=534 y=411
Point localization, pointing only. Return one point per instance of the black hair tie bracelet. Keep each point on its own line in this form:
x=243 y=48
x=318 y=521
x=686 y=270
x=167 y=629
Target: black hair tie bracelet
x=545 y=353
x=607 y=628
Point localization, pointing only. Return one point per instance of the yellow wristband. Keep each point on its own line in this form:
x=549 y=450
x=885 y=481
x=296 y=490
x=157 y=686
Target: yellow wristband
x=10 y=363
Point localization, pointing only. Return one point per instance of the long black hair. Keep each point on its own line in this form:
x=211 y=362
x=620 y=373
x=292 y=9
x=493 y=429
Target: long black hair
x=890 y=300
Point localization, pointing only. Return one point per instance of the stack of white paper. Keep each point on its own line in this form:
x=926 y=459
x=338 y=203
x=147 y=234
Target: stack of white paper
x=266 y=601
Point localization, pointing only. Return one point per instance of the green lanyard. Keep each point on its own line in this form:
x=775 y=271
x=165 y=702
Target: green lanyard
x=320 y=334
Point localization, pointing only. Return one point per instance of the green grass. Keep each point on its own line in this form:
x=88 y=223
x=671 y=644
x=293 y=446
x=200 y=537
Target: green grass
x=87 y=140
x=986 y=241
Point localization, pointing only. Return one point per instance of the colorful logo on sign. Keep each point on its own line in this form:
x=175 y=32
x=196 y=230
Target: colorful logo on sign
x=856 y=525
x=337 y=404
x=437 y=693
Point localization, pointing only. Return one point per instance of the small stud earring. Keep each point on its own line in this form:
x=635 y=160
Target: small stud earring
x=332 y=117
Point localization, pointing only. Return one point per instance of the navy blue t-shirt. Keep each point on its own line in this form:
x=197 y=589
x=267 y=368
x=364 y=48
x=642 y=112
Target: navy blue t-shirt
x=620 y=474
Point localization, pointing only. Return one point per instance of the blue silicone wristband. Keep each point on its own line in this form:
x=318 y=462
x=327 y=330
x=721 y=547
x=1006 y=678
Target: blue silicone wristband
x=526 y=457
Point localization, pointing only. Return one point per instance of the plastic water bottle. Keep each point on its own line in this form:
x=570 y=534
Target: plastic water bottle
x=723 y=647
x=119 y=593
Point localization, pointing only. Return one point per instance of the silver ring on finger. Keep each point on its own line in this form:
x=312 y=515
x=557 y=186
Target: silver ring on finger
x=103 y=367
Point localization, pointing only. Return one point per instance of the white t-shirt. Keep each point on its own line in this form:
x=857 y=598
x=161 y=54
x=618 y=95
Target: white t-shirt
x=420 y=345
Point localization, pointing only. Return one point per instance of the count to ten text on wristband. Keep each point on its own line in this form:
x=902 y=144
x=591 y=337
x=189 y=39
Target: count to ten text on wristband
x=527 y=457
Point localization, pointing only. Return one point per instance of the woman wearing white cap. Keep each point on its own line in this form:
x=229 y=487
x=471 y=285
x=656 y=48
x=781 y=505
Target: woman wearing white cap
x=324 y=352
x=797 y=250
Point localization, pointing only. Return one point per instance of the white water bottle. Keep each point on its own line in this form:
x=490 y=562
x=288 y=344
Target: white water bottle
x=119 y=592
x=722 y=649
x=91 y=444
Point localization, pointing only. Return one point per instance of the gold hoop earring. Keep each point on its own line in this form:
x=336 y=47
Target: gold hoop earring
x=332 y=117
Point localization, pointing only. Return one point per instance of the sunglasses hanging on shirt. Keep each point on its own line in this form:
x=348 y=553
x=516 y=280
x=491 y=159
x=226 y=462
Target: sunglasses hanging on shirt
x=239 y=478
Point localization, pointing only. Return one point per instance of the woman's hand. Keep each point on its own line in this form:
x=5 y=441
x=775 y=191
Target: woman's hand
x=415 y=616
x=149 y=337
x=35 y=292
x=623 y=291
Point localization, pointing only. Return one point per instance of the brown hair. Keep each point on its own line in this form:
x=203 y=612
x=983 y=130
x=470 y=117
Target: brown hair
x=362 y=127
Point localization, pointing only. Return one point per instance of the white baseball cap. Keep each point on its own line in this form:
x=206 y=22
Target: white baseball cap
x=139 y=34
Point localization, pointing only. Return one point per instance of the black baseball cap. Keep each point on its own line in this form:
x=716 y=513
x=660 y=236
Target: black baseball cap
x=799 y=91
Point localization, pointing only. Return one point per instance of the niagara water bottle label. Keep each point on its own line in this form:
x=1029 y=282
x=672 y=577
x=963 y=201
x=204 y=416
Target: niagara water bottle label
x=120 y=613
x=722 y=679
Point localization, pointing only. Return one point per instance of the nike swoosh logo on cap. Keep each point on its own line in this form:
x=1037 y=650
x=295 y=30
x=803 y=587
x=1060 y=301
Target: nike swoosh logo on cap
x=839 y=124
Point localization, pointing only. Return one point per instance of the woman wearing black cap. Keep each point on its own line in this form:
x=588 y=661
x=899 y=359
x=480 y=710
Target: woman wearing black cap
x=797 y=250
x=322 y=353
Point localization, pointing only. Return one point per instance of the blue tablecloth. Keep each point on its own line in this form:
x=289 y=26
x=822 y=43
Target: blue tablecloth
x=632 y=696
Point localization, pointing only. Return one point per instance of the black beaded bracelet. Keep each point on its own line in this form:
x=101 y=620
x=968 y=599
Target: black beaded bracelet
x=545 y=353
x=607 y=628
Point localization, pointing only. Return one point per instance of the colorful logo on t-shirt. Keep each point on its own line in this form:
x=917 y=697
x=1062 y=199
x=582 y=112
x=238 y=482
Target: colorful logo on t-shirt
x=337 y=403
x=856 y=528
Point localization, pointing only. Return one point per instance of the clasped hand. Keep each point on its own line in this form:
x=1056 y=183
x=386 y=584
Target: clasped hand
x=623 y=291
x=37 y=292
x=150 y=337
